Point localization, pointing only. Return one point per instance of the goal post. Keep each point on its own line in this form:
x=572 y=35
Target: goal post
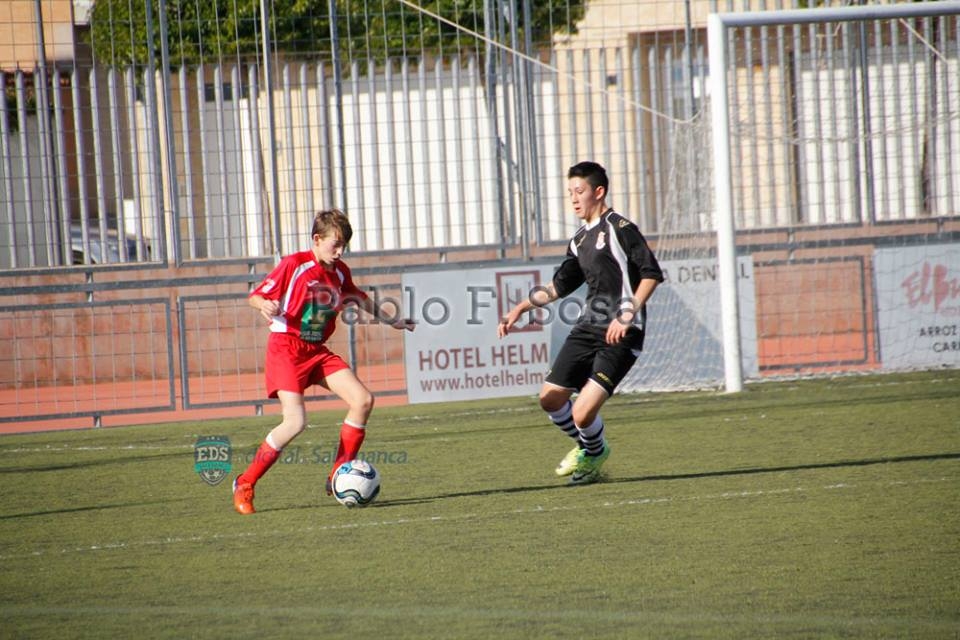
x=721 y=49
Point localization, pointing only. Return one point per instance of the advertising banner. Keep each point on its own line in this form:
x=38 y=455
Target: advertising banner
x=455 y=354
x=918 y=305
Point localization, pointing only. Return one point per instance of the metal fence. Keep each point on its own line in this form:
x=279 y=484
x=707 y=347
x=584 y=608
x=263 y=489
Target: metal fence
x=230 y=157
x=155 y=161
x=91 y=359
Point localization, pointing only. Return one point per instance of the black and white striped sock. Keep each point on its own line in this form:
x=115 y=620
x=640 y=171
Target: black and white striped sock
x=563 y=418
x=591 y=437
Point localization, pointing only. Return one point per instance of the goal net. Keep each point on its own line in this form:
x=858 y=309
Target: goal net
x=840 y=171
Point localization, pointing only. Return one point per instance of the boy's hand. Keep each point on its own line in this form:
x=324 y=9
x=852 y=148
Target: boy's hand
x=618 y=327
x=404 y=323
x=505 y=324
x=269 y=309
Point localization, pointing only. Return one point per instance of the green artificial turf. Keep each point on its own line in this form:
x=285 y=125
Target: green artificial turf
x=806 y=509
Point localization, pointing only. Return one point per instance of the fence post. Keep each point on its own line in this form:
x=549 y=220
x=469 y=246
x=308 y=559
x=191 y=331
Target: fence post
x=274 y=199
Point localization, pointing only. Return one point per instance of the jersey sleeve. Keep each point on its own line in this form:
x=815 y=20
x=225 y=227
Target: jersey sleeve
x=569 y=276
x=638 y=251
x=272 y=286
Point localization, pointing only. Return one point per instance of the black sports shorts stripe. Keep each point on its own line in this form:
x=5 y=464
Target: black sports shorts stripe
x=585 y=355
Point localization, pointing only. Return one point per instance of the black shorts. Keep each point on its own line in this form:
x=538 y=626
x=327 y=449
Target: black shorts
x=585 y=355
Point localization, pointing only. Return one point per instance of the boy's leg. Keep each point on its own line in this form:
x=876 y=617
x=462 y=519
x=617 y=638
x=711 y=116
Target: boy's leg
x=586 y=417
x=555 y=400
x=609 y=367
x=590 y=425
x=568 y=374
x=345 y=384
x=294 y=421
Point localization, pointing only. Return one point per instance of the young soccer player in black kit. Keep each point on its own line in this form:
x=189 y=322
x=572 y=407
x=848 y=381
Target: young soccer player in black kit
x=609 y=253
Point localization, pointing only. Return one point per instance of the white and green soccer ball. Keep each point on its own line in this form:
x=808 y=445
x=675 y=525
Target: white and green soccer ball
x=356 y=483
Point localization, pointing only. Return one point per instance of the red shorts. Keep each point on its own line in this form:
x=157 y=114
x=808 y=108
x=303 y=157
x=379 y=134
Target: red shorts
x=294 y=364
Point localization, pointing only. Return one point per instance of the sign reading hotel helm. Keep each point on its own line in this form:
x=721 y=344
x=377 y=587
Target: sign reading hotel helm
x=456 y=355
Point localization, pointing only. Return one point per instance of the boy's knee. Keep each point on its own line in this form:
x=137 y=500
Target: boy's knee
x=364 y=402
x=547 y=404
x=290 y=428
x=295 y=426
x=552 y=399
x=295 y=419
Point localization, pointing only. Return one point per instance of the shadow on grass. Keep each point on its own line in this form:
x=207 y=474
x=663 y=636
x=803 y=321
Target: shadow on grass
x=711 y=408
x=65 y=466
x=383 y=503
x=95 y=507
x=798 y=467
x=677 y=476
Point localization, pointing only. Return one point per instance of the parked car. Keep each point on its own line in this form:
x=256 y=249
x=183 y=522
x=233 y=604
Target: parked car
x=102 y=252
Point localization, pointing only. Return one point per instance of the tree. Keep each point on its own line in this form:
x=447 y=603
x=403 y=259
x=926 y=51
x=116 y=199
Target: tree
x=213 y=30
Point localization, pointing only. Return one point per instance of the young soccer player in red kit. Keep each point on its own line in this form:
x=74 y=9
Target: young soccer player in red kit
x=301 y=299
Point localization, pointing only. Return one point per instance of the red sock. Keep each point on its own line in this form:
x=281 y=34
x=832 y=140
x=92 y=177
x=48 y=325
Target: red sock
x=262 y=461
x=351 y=437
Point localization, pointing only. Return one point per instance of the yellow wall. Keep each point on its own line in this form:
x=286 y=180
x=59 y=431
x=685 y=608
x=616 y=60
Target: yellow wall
x=18 y=32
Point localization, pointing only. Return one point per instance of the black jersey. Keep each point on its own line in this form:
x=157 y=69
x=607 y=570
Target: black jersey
x=611 y=256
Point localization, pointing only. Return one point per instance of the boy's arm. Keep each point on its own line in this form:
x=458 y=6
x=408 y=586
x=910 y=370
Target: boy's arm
x=267 y=308
x=619 y=325
x=538 y=297
x=393 y=319
x=565 y=281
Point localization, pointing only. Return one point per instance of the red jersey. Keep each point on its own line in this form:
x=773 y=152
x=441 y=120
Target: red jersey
x=310 y=297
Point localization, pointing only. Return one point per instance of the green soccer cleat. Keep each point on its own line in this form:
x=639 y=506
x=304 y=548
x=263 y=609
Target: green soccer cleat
x=588 y=467
x=569 y=462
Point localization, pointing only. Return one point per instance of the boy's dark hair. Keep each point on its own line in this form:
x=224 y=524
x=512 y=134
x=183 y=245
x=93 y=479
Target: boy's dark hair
x=332 y=220
x=592 y=172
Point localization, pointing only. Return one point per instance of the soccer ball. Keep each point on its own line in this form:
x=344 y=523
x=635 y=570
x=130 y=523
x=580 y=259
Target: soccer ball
x=356 y=483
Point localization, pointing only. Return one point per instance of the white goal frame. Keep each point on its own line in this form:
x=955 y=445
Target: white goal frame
x=717 y=27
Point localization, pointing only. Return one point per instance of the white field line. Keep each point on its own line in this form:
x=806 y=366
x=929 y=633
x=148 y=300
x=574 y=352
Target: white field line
x=663 y=500
x=66 y=448
x=898 y=625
